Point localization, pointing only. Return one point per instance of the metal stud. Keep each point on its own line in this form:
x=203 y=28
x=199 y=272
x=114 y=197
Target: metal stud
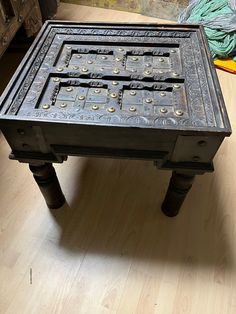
x=95 y=107
x=113 y=95
x=148 y=64
x=63 y=105
x=176 y=86
x=79 y=56
x=101 y=69
x=46 y=106
x=115 y=83
x=84 y=69
x=118 y=59
x=132 y=109
x=97 y=91
x=163 y=94
x=60 y=69
x=104 y=57
x=81 y=97
x=161 y=60
x=175 y=74
x=135 y=58
x=179 y=112
x=132 y=93
x=68 y=47
x=160 y=71
x=121 y=49
x=111 y=109
x=69 y=89
x=163 y=110
x=56 y=79
x=148 y=100
x=90 y=61
x=75 y=67
x=116 y=71
x=173 y=51
x=147 y=72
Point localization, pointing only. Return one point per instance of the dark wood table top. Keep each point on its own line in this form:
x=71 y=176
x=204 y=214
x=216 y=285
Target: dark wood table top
x=150 y=76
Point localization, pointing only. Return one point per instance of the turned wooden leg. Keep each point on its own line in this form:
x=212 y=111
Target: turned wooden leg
x=178 y=188
x=46 y=178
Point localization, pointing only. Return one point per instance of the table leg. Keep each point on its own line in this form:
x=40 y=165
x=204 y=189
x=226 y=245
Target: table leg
x=178 y=188
x=47 y=180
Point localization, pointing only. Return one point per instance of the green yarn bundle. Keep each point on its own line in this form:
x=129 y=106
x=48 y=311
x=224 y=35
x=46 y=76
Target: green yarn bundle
x=219 y=20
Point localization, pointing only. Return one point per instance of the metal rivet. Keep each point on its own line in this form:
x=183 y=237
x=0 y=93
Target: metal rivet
x=84 y=69
x=132 y=93
x=90 y=61
x=132 y=109
x=56 y=79
x=111 y=109
x=63 y=105
x=163 y=94
x=115 y=83
x=104 y=57
x=75 y=67
x=121 y=49
x=202 y=143
x=148 y=100
x=118 y=59
x=133 y=70
x=160 y=71
x=163 y=110
x=68 y=47
x=69 y=89
x=161 y=60
x=95 y=107
x=97 y=91
x=101 y=69
x=79 y=56
x=81 y=97
x=46 y=106
x=113 y=95
x=176 y=86
x=179 y=112
x=116 y=71
x=173 y=51
x=148 y=64
x=196 y=158
x=135 y=58
x=175 y=74
x=60 y=69
x=147 y=72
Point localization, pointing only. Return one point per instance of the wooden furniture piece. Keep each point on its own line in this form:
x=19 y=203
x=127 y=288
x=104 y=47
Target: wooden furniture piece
x=142 y=91
x=15 y=13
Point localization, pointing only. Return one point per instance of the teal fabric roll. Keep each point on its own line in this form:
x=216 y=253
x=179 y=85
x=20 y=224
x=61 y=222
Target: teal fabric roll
x=219 y=20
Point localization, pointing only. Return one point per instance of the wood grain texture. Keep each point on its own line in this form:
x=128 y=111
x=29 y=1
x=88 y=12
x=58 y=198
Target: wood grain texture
x=110 y=249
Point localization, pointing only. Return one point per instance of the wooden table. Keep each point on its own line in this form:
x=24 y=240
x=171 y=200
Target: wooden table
x=14 y=14
x=141 y=91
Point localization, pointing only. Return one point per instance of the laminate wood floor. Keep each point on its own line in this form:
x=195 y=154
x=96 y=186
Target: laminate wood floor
x=110 y=249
